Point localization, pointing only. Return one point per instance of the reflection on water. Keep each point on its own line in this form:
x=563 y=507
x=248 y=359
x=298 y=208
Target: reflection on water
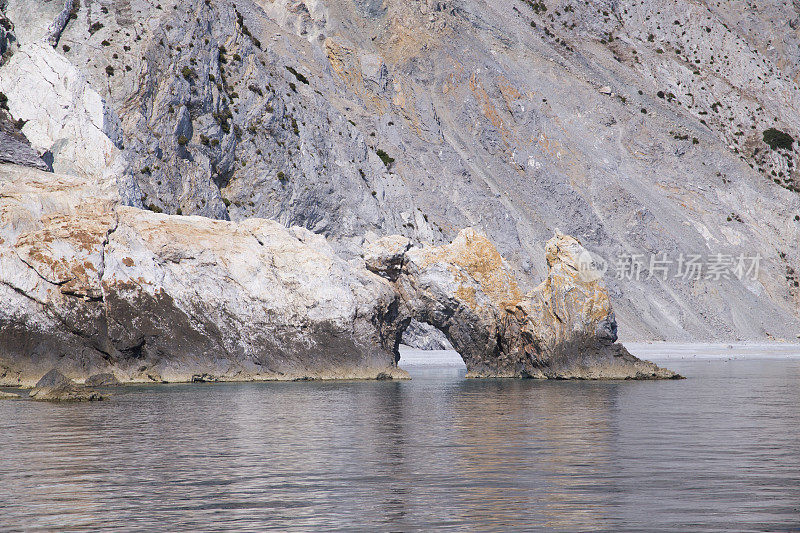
x=720 y=450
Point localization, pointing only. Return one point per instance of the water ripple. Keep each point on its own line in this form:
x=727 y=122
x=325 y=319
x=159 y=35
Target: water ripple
x=718 y=451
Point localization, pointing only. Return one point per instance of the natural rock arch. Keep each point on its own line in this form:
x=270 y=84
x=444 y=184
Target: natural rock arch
x=565 y=328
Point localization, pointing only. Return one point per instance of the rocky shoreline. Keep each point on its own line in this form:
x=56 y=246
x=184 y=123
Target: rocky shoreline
x=92 y=286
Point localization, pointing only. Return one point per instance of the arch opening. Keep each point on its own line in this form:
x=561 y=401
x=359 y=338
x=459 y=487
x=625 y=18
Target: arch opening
x=423 y=344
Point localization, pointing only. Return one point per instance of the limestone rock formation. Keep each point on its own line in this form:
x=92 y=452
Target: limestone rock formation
x=241 y=301
x=565 y=328
x=90 y=286
x=99 y=291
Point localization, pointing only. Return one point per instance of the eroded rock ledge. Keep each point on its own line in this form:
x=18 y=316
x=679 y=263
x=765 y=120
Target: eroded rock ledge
x=91 y=287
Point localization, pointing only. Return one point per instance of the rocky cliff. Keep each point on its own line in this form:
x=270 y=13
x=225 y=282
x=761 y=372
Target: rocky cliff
x=90 y=286
x=96 y=289
x=641 y=128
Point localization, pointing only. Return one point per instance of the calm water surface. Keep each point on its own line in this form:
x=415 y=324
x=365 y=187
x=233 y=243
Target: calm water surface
x=717 y=451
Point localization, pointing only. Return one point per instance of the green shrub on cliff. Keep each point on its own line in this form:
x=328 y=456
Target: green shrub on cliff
x=777 y=139
x=386 y=158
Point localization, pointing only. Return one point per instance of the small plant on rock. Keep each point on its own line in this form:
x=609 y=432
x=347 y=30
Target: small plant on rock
x=300 y=77
x=386 y=158
x=777 y=139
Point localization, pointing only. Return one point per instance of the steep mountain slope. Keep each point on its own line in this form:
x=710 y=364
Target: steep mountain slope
x=636 y=126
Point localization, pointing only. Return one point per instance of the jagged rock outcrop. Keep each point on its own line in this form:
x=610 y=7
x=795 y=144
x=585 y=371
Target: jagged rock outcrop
x=60 y=22
x=564 y=329
x=96 y=290
x=14 y=146
x=89 y=286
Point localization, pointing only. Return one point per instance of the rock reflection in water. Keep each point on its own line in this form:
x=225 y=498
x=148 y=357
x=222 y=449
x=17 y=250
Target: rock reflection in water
x=720 y=450
x=554 y=435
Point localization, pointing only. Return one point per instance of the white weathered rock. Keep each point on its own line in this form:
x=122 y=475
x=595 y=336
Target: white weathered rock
x=241 y=301
x=385 y=256
x=64 y=115
x=90 y=286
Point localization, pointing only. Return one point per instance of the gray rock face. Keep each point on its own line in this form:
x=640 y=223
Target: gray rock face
x=53 y=380
x=635 y=126
x=15 y=147
x=55 y=387
x=425 y=337
x=105 y=379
